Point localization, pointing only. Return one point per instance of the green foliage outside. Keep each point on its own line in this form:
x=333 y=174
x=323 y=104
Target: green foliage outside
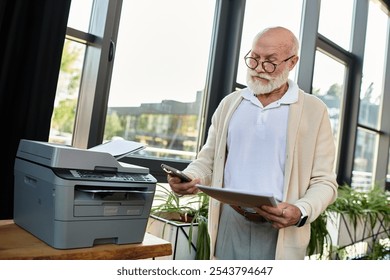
x=114 y=126
x=70 y=57
x=64 y=113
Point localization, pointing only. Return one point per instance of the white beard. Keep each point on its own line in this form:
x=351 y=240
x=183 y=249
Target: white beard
x=258 y=87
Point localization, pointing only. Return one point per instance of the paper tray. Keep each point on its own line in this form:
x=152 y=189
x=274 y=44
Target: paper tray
x=239 y=198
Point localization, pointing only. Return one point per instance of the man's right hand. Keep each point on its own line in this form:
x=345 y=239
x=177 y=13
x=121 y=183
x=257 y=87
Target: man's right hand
x=182 y=188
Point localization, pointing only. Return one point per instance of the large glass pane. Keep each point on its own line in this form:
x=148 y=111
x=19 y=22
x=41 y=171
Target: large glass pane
x=63 y=118
x=335 y=21
x=365 y=157
x=260 y=14
x=371 y=91
x=80 y=14
x=328 y=85
x=159 y=74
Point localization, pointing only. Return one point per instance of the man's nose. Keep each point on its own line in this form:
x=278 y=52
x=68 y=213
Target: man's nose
x=259 y=67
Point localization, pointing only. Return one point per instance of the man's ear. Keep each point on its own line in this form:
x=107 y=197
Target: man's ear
x=293 y=62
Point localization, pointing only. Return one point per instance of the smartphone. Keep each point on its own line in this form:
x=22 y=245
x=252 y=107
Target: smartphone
x=175 y=172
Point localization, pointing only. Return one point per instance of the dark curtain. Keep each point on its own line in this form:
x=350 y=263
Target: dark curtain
x=32 y=36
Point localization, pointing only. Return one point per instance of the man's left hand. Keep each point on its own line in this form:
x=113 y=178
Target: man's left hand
x=284 y=215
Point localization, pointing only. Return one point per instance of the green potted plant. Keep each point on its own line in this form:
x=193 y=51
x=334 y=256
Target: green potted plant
x=181 y=220
x=355 y=217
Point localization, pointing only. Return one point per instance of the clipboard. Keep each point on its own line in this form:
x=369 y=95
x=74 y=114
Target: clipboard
x=239 y=198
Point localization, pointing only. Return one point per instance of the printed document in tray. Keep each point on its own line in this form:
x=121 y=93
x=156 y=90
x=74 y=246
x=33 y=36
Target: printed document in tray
x=239 y=198
x=119 y=148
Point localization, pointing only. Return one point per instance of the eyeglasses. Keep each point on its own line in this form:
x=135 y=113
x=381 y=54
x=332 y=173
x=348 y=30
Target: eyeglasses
x=268 y=66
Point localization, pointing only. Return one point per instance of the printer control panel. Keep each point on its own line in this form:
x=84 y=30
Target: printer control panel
x=105 y=176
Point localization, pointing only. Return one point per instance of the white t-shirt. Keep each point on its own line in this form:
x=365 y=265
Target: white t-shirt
x=256 y=144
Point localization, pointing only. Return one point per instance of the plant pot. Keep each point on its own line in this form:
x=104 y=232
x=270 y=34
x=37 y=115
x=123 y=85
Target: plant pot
x=170 y=228
x=345 y=233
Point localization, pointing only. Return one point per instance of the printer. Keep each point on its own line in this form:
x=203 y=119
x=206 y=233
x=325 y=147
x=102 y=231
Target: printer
x=75 y=198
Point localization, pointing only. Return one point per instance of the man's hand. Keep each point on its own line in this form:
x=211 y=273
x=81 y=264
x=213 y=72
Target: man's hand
x=284 y=215
x=183 y=188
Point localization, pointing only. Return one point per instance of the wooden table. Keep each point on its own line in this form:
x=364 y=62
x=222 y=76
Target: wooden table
x=18 y=244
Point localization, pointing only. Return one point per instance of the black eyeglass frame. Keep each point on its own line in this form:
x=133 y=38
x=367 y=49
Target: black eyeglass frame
x=262 y=63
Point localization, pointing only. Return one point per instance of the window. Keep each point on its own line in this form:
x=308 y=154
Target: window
x=328 y=85
x=260 y=14
x=156 y=94
x=371 y=91
x=365 y=154
x=336 y=15
x=371 y=94
x=80 y=14
x=68 y=87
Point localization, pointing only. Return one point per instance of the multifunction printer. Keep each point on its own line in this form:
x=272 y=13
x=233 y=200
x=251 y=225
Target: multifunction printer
x=74 y=198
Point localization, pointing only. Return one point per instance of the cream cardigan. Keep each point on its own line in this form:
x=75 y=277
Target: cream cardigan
x=309 y=179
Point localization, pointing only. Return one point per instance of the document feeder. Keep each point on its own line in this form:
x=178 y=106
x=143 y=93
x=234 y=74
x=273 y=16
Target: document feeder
x=74 y=198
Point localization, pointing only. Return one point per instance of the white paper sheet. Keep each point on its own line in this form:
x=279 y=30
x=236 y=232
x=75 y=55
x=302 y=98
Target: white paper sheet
x=118 y=148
